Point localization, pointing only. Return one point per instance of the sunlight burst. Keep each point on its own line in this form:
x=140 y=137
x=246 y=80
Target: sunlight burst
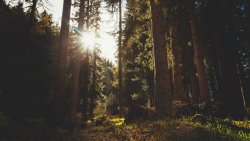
x=105 y=42
x=89 y=39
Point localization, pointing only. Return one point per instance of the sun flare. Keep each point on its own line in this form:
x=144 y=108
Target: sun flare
x=89 y=39
x=105 y=42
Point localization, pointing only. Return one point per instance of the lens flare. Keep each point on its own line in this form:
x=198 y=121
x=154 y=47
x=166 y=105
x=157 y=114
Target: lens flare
x=89 y=39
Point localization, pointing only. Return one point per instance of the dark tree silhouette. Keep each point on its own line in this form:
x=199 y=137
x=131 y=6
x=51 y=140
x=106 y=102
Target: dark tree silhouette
x=60 y=97
x=197 y=42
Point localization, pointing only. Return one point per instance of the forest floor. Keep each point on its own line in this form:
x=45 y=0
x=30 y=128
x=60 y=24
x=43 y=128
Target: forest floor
x=185 y=129
x=111 y=128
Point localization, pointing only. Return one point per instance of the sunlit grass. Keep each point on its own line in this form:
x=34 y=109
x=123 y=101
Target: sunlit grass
x=220 y=127
x=168 y=129
x=117 y=121
x=244 y=124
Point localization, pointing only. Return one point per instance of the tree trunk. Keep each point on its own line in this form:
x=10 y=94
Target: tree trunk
x=171 y=82
x=81 y=15
x=75 y=84
x=120 y=56
x=93 y=88
x=32 y=17
x=85 y=87
x=86 y=90
x=193 y=78
x=178 y=66
x=60 y=97
x=202 y=78
x=163 y=97
x=87 y=14
x=76 y=67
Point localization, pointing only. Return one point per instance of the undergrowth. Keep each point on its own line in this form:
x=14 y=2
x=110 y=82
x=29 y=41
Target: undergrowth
x=226 y=129
x=114 y=129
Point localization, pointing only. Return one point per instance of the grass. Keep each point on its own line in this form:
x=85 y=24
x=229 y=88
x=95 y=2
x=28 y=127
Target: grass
x=173 y=130
x=116 y=121
x=114 y=129
x=226 y=129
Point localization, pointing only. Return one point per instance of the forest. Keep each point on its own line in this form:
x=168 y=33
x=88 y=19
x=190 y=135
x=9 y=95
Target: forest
x=181 y=71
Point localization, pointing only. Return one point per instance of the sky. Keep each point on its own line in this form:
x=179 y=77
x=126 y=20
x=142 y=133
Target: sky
x=108 y=25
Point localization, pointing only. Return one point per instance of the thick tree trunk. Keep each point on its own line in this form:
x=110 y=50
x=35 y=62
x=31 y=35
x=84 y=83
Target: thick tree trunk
x=163 y=97
x=60 y=97
x=193 y=78
x=178 y=67
x=75 y=84
x=76 y=66
x=189 y=68
x=202 y=77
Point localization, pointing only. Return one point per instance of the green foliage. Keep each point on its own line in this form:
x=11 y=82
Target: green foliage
x=168 y=129
x=227 y=129
x=138 y=56
x=112 y=104
x=93 y=18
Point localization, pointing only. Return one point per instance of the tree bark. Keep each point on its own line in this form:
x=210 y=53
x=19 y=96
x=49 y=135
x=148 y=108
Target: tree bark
x=81 y=15
x=85 y=87
x=60 y=97
x=193 y=78
x=202 y=77
x=120 y=56
x=87 y=14
x=93 y=88
x=76 y=66
x=178 y=66
x=75 y=84
x=163 y=97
